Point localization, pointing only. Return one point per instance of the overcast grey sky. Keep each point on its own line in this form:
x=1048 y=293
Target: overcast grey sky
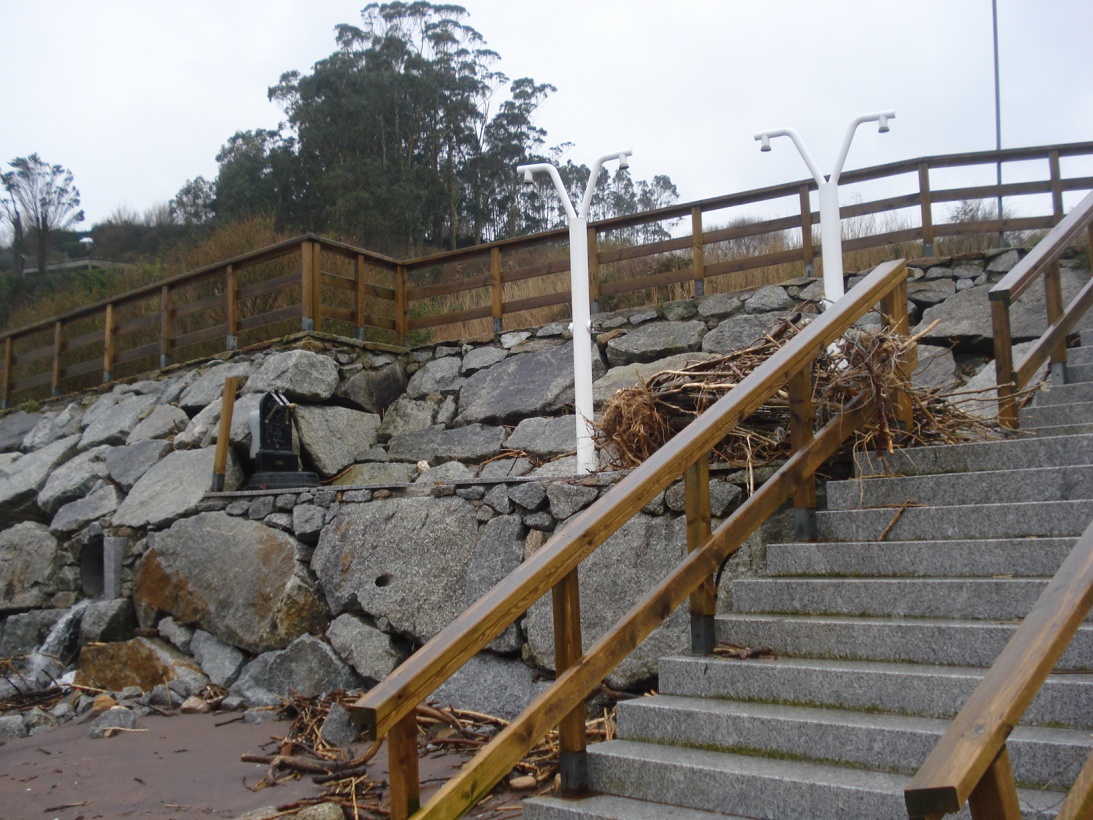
x=137 y=96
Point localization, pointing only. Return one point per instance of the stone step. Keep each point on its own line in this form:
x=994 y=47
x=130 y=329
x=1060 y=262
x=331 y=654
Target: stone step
x=1008 y=454
x=961 y=598
x=947 y=641
x=1059 y=430
x=924 y=690
x=612 y=807
x=1037 y=557
x=1056 y=415
x=1079 y=392
x=984 y=487
x=1078 y=372
x=881 y=742
x=758 y=787
x=1040 y=519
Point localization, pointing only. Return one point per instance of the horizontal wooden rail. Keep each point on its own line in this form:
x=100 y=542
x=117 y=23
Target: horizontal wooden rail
x=435 y=295
x=1042 y=262
x=954 y=771
x=388 y=706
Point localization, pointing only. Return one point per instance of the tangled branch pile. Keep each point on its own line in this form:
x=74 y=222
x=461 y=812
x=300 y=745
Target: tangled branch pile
x=639 y=420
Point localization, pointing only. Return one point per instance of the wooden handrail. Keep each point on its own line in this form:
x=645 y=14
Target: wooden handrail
x=1041 y=262
x=976 y=739
x=391 y=704
x=478 y=276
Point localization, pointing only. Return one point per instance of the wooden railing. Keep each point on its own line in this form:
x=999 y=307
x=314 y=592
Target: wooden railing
x=314 y=283
x=1043 y=261
x=388 y=710
x=970 y=763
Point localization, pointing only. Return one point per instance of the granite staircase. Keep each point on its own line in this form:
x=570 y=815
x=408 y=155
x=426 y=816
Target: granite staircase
x=879 y=641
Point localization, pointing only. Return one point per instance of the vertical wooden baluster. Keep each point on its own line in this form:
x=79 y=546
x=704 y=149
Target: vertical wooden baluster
x=307 y=286
x=995 y=798
x=801 y=429
x=358 y=309
x=698 y=252
x=572 y=764
x=696 y=501
x=497 y=291
x=893 y=308
x=1004 y=374
x=317 y=284
x=402 y=309
x=9 y=358
x=807 y=251
x=593 y=271
x=231 y=296
x=1056 y=188
x=166 y=333
x=58 y=350
x=109 y=333
x=1053 y=294
x=926 y=208
x=402 y=765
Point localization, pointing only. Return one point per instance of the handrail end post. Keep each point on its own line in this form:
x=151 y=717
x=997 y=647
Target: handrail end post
x=365 y=717
x=703 y=634
x=573 y=769
x=931 y=802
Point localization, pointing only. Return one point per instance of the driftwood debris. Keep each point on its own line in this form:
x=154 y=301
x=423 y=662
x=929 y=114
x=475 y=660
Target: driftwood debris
x=639 y=420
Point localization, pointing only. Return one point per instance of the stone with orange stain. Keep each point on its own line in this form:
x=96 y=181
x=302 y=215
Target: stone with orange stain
x=143 y=662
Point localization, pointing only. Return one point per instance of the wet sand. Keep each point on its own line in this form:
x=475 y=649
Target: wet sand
x=179 y=767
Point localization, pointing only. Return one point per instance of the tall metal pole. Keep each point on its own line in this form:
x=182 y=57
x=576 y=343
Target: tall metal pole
x=997 y=113
x=579 y=293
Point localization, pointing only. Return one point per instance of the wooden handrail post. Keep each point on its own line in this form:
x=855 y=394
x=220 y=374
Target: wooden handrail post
x=1053 y=296
x=307 y=285
x=807 y=251
x=166 y=332
x=572 y=763
x=995 y=798
x=801 y=431
x=402 y=309
x=224 y=434
x=358 y=296
x=1004 y=374
x=9 y=358
x=1056 y=187
x=893 y=309
x=58 y=350
x=497 y=291
x=110 y=328
x=696 y=500
x=402 y=766
x=231 y=307
x=593 y=271
x=698 y=252
x=925 y=204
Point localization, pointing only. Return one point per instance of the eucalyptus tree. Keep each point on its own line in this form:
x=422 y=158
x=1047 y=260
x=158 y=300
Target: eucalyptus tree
x=42 y=200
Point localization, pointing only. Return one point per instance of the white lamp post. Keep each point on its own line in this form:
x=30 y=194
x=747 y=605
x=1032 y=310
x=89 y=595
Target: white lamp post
x=831 y=241
x=578 y=288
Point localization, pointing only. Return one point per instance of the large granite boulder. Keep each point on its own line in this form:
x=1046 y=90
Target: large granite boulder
x=143 y=662
x=307 y=667
x=30 y=563
x=73 y=479
x=735 y=332
x=405 y=415
x=369 y=651
x=530 y=384
x=126 y=464
x=435 y=377
x=614 y=578
x=174 y=487
x=373 y=390
x=21 y=480
x=379 y=472
x=332 y=438
x=544 y=438
x=209 y=386
x=413 y=564
x=53 y=426
x=656 y=340
x=15 y=427
x=473 y=443
x=79 y=513
x=299 y=374
x=165 y=420
x=235 y=578
x=113 y=424
x=629 y=375
x=492 y=686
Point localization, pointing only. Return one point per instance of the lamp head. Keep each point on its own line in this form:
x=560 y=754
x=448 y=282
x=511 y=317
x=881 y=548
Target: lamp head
x=764 y=142
x=624 y=162
x=527 y=175
x=882 y=122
